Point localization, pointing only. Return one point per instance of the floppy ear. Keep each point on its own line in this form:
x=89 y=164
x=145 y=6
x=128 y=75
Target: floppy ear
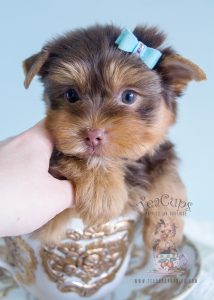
x=33 y=65
x=176 y=71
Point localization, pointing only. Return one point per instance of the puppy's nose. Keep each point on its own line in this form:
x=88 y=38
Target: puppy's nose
x=95 y=137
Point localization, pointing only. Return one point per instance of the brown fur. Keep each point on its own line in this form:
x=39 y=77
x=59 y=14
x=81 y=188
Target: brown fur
x=135 y=160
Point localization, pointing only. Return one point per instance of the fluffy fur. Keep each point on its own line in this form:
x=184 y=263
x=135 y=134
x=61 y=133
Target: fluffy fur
x=135 y=160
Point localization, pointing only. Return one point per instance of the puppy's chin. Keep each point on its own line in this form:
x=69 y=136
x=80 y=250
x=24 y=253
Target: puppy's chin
x=82 y=153
x=94 y=152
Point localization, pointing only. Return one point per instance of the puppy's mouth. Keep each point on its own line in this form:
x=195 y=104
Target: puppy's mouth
x=94 y=151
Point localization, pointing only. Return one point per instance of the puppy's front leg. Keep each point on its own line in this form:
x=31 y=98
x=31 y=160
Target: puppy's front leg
x=100 y=191
x=100 y=195
x=166 y=203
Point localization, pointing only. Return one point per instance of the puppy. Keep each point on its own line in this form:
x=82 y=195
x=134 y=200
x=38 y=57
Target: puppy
x=108 y=115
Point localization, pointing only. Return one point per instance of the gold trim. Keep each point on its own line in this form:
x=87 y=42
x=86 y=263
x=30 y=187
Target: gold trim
x=6 y=281
x=99 y=231
x=21 y=257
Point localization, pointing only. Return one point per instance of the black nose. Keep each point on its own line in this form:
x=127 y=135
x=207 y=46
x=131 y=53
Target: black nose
x=95 y=137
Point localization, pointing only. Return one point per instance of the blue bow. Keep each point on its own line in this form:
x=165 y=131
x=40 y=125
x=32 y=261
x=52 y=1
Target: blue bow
x=128 y=42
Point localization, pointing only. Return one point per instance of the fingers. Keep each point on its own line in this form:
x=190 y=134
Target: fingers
x=42 y=136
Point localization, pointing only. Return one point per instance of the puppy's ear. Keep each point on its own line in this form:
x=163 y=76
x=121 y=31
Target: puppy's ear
x=33 y=65
x=176 y=71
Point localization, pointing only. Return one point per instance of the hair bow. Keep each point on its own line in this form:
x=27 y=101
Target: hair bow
x=128 y=42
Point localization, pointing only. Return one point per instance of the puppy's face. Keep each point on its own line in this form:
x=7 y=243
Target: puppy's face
x=102 y=102
x=107 y=106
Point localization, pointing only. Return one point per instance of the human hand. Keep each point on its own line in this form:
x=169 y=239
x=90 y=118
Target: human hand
x=29 y=195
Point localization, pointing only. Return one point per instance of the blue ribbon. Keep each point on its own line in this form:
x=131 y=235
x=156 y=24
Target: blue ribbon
x=128 y=42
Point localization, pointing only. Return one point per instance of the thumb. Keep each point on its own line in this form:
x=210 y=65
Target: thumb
x=61 y=194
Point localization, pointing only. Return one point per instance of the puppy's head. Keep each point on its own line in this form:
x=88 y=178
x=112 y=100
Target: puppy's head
x=103 y=102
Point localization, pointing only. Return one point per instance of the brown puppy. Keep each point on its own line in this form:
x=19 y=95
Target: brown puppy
x=109 y=114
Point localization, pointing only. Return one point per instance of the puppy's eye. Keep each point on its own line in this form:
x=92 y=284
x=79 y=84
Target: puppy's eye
x=128 y=97
x=71 y=96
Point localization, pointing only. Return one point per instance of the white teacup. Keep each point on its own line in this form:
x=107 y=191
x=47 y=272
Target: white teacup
x=88 y=264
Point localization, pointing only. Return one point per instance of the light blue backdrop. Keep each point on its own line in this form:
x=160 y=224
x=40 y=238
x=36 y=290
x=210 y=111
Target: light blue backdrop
x=25 y=26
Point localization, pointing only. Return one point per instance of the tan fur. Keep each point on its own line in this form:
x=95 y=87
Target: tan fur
x=67 y=73
x=119 y=75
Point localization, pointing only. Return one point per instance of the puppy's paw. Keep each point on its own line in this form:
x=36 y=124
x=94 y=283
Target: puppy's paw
x=55 y=230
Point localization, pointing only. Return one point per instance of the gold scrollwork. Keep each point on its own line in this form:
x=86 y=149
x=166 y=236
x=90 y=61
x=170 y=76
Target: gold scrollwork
x=83 y=263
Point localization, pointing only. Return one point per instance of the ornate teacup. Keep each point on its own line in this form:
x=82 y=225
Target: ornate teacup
x=87 y=264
